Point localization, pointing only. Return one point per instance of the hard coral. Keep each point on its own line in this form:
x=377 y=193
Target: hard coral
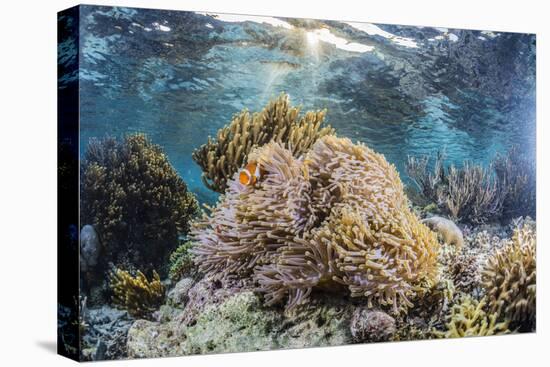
x=447 y=229
x=336 y=218
x=139 y=296
x=135 y=199
x=278 y=121
x=469 y=318
x=509 y=279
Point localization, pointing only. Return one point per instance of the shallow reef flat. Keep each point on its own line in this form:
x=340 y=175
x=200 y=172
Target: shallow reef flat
x=315 y=241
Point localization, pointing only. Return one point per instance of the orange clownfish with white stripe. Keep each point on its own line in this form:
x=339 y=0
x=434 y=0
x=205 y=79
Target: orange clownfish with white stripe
x=250 y=174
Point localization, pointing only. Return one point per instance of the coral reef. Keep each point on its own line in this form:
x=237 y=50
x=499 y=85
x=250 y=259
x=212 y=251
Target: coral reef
x=139 y=296
x=469 y=318
x=470 y=193
x=371 y=326
x=509 y=278
x=446 y=229
x=473 y=193
x=135 y=200
x=517 y=177
x=181 y=261
x=336 y=218
x=222 y=157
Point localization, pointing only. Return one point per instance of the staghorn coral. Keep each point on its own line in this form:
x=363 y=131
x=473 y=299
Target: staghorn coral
x=469 y=318
x=181 y=261
x=509 y=278
x=139 y=296
x=335 y=219
x=135 y=199
x=222 y=157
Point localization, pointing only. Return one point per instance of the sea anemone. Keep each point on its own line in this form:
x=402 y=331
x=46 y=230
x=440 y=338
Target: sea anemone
x=335 y=218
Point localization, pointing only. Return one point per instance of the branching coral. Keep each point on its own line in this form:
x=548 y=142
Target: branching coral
x=336 y=218
x=470 y=193
x=469 y=318
x=509 y=279
x=135 y=199
x=477 y=194
x=222 y=157
x=181 y=261
x=517 y=177
x=139 y=296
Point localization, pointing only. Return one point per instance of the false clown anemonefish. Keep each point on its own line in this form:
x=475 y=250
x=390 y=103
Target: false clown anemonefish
x=250 y=174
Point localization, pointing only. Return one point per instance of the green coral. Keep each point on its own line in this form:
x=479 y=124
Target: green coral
x=136 y=294
x=181 y=261
x=221 y=158
x=135 y=199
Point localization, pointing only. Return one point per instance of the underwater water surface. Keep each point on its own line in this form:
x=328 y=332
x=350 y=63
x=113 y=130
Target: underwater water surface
x=402 y=90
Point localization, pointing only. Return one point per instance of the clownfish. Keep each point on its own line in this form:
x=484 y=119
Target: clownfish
x=250 y=174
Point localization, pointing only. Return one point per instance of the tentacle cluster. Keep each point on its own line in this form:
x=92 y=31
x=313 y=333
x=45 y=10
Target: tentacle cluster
x=334 y=218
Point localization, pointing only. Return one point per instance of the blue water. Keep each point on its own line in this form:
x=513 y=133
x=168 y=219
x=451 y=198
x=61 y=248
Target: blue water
x=402 y=90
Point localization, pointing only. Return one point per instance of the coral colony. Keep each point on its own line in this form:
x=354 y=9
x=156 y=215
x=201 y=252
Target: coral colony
x=313 y=238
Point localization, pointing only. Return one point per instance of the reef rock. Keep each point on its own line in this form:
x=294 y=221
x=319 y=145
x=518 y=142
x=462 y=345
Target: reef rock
x=89 y=248
x=177 y=296
x=105 y=334
x=240 y=323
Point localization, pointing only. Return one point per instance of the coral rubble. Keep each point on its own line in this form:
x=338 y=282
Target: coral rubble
x=139 y=296
x=220 y=158
x=135 y=200
x=335 y=218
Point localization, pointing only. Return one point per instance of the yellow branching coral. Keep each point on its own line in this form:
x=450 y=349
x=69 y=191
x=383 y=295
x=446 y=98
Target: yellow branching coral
x=220 y=158
x=509 y=278
x=335 y=218
x=139 y=296
x=469 y=318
